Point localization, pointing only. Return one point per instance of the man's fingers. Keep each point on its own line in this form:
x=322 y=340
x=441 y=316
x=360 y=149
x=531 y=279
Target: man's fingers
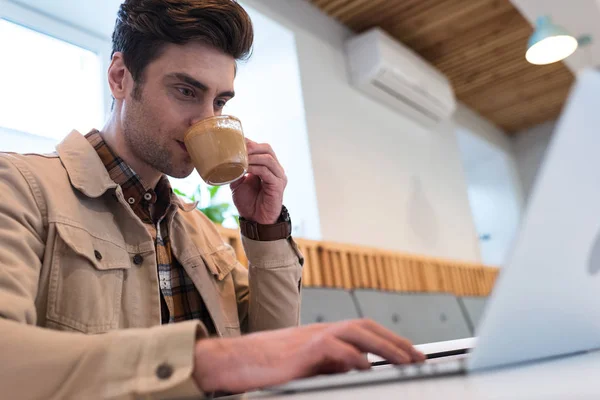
x=336 y=356
x=392 y=337
x=265 y=174
x=366 y=340
x=259 y=148
x=249 y=179
x=268 y=161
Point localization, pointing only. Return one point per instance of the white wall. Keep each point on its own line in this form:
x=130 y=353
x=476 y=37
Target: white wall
x=530 y=147
x=494 y=196
x=482 y=129
x=494 y=184
x=381 y=179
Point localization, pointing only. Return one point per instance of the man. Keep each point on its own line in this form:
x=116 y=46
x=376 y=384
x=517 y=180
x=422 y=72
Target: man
x=93 y=241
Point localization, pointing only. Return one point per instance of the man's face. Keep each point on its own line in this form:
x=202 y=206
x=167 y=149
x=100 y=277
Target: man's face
x=186 y=84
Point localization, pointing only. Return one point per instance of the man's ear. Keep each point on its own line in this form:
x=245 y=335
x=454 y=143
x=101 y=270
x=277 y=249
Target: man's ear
x=118 y=77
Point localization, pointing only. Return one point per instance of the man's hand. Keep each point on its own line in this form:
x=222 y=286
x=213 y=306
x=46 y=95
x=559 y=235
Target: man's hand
x=258 y=196
x=275 y=357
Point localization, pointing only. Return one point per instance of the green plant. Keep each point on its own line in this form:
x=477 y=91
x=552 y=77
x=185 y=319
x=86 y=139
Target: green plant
x=216 y=212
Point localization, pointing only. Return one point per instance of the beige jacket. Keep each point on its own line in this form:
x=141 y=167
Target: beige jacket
x=75 y=326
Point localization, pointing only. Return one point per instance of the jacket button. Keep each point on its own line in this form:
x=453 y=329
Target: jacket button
x=138 y=259
x=98 y=255
x=164 y=371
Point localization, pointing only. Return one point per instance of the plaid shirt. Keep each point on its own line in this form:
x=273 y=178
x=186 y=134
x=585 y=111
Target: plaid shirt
x=180 y=299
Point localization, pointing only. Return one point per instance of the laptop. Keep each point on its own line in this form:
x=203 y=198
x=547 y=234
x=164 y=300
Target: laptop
x=546 y=301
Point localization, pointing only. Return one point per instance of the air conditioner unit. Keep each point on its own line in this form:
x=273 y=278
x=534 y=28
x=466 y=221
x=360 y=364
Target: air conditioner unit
x=396 y=76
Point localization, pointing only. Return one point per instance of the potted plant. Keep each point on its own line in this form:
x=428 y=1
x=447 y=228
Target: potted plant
x=215 y=211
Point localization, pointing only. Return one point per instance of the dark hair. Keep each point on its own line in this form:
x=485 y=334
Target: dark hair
x=143 y=27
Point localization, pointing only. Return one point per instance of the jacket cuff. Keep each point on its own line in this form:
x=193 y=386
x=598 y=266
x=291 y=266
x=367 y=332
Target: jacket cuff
x=277 y=253
x=164 y=362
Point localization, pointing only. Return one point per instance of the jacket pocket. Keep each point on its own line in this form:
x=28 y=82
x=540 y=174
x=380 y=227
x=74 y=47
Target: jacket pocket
x=220 y=263
x=86 y=281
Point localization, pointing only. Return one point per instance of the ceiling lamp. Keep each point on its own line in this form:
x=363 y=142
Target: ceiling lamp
x=549 y=43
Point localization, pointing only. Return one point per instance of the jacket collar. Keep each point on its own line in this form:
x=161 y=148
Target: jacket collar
x=187 y=207
x=86 y=171
x=84 y=167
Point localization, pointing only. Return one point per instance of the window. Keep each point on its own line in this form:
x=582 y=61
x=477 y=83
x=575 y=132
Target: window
x=49 y=85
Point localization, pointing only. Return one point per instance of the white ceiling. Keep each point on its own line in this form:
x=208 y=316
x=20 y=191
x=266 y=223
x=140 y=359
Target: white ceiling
x=579 y=17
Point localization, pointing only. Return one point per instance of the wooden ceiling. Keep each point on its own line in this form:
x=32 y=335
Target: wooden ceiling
x=478 y=44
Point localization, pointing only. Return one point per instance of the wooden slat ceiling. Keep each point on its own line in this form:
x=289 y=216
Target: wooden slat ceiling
x=478 y=44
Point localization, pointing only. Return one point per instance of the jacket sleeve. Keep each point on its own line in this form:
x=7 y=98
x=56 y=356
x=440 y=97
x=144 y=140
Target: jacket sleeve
x=269 y=291
x=41 y=363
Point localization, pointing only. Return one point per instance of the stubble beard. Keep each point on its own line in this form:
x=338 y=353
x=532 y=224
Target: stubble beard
x=145 y=146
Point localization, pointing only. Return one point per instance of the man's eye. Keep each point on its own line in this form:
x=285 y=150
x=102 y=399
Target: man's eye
x=220 y=103
x=186 y=92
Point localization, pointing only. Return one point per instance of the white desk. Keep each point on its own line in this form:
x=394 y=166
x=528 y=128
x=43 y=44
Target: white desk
x=575 y=377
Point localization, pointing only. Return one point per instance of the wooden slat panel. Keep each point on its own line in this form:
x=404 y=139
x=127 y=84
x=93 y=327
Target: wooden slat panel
x=337 y=269
x=326 y=268
x=380 y=272
x=311 y=275
x=341 y=265
x=466 y=281
x=434 y=282
x=518 y=123
x=414 y=284
x=516 y=109
x=429 y=284
x=315 y=263
x=345 y=12
x=487 y=34
x=360 y=19
x=357 y=278
x=515 y=94
x=440 y=14
x=472 y=281
x=513 y=73
x=502 y=63
x=372 y=268
x=451 y=26
x=459 y=287
x=481 y=281
x=395 y=266
x=474 y=54
x=389 y=272
x=350 y=267
x=306 y=269
x=364 y=268
x=446 y=277
x=346 y=271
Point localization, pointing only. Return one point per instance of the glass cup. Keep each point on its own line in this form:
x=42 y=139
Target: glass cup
x=217 y=148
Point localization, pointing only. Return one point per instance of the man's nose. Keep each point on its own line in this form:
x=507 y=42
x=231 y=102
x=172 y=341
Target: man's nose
x=204 y=113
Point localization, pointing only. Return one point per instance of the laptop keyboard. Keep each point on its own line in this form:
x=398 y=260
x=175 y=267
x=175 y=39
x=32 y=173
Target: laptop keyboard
x=451 y=365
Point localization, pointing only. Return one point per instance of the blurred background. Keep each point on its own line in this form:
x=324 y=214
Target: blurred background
x=423 y=137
